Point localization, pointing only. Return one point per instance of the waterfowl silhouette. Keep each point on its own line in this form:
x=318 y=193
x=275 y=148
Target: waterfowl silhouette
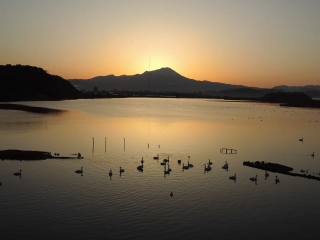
x=121 y=170
x=277 y=180
x=254 y=178
x=189 y=164
x=157 y=157
x=17 y=173
x=140 y=168
x=79 y=171
x=142 y=161
x=312 y=155
x=179 y=161
x=207 y=168
x=210 y=163
x=110 y=173
x=171 y=194
x=233 y=177
x=266 y=174
x=226 y=166
x=185 y=167
x=301 y=139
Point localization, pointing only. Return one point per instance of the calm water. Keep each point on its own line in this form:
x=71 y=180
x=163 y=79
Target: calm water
x=51 y=201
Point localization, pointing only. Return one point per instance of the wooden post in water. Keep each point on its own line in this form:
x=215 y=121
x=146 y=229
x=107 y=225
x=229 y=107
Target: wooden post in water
x=93 y=143
x=105 y=144
x=148 y=145
x=124 y=144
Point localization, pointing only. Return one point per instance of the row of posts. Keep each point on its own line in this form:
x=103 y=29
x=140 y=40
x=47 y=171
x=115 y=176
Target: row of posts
x=105 y=144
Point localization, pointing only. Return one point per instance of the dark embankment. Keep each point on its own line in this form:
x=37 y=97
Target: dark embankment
x=274 y=167
x=27 y=83
x=24 y=155
x=30 y=109
x=291 y=99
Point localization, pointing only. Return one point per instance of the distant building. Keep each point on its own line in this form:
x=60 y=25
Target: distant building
x=95 y=89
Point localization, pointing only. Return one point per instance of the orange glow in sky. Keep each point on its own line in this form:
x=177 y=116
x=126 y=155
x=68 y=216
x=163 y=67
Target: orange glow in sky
x=261 y=44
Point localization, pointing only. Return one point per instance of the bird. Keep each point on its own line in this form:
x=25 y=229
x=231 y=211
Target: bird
x=189 y=164
x=157 y=157
x=179 y=161
x=17 y=173
x=185 y=167
x=277 y=179
x=142 y=160
x=267 y=174
x=0 y=183
x=166 y=171
x=163 y=163
x=301 y=139
x=254 y=178
x=110 y=173
x=79 y=171
x=140 y=168
x=226 y=165
x=301 y=170
x=210 y=163
x=312 y=155
x=207 y=168
x=171 y=194
x=121 y=170
x=233 y=177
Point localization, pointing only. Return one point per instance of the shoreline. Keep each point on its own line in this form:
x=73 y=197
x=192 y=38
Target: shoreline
x=20 y=107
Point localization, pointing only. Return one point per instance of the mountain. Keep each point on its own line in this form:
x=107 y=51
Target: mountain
x=161 y=80
x=298 y=88
x=28 y=83
x=242 y=92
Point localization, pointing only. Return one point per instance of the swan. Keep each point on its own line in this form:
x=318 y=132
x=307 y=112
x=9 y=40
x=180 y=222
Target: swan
x=142 y=161
x=157 y=157
x=0 y=183
x=210 y=163
x=254 y=178
x=233 y=177
x=171 y=194
x=301 y=139
x=277 y=179
x=207 y=168
x=185 y=167
x=312 y=155
x=166 y=171
x=267 y=174
x=110 y=173
x=140 y=167
x=17 y=173
x=179 y=161
x=301 y=170
x=189 y=164
x=79 y=171
x=226 y=165
x=163 y=163
x=121 y=170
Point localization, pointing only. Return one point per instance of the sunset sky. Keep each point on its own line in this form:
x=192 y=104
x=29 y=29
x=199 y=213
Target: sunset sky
x=249 y=42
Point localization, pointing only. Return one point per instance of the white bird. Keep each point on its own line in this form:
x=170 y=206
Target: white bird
x=233 y=177
x=17 y=173
x=254 y=178
x=79 y=171
x=277 y=179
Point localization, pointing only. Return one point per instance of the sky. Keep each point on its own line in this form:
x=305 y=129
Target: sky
x=258 y=43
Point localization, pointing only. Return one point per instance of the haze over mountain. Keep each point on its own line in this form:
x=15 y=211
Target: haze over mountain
x=164 y=79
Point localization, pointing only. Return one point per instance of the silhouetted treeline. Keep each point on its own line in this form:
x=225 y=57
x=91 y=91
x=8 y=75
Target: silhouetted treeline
x=28 y=83
x=294 y=99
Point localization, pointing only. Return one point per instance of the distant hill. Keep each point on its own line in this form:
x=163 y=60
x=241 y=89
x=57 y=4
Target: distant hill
x=161 y=80
x=298 y=88
x=242 y=92
x=28 y=83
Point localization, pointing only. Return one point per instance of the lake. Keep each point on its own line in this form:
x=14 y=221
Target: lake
x=51 y=201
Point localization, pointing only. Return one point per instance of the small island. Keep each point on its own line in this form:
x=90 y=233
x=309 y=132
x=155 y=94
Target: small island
x=14 y=154
x=42 y=110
